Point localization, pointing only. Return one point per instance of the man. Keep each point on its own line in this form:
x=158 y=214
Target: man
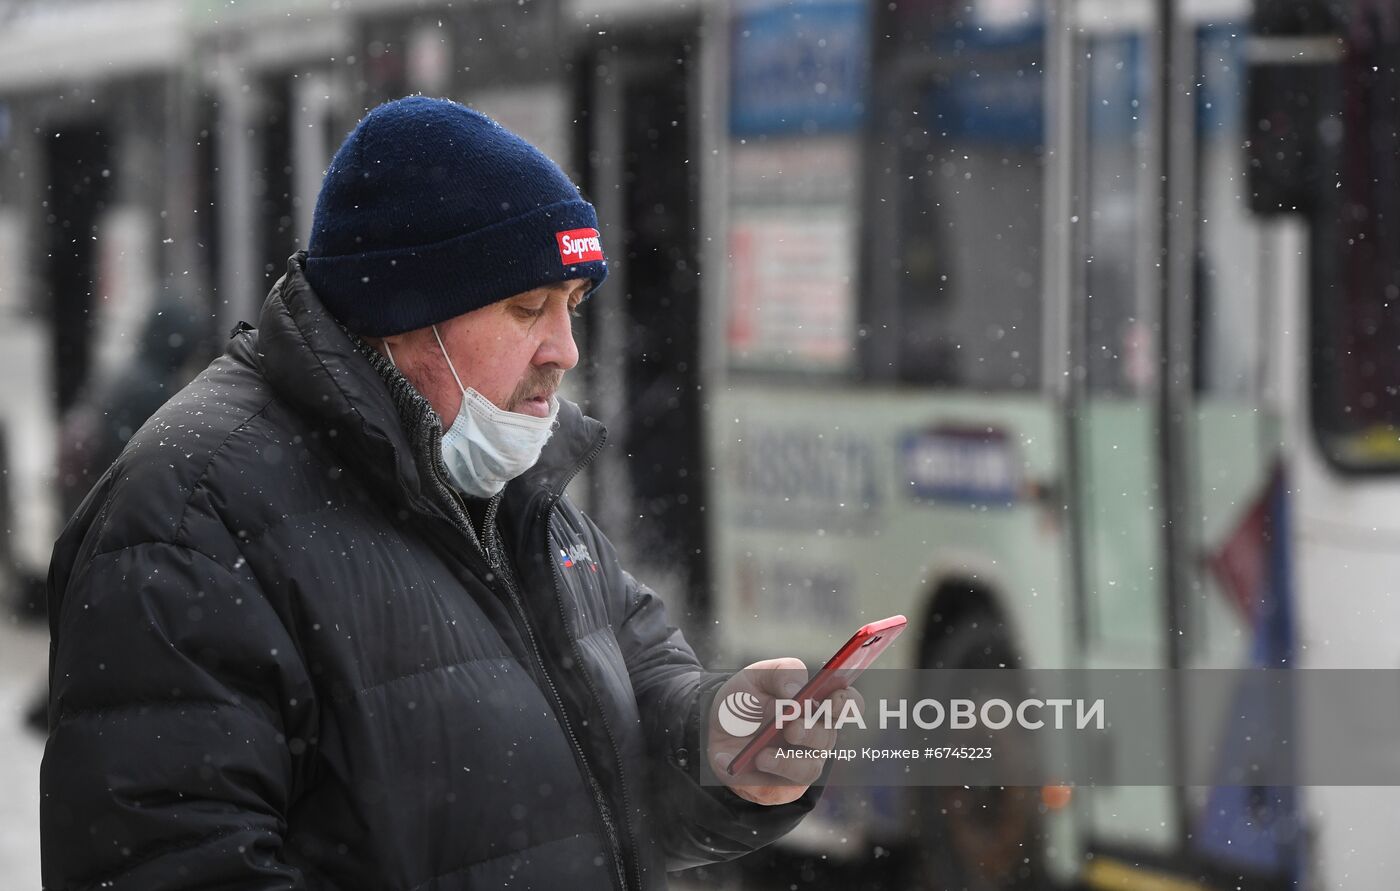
x=304 y=638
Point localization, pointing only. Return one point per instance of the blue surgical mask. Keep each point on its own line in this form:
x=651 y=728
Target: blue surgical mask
x=487 y=447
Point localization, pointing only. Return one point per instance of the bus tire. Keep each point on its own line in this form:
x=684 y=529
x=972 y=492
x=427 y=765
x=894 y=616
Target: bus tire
x=976 y=838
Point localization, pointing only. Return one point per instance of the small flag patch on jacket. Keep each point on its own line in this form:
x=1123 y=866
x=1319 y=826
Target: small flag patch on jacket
x=576 y=554
x=579 y=246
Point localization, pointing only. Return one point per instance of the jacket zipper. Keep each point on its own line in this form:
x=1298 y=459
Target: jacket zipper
x=498 y=567
x=547 y=512
x=578 y=660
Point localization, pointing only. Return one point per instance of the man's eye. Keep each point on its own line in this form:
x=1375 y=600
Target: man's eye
x=530 y=312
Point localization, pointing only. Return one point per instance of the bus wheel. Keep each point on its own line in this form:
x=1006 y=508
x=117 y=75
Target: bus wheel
x=977 y=838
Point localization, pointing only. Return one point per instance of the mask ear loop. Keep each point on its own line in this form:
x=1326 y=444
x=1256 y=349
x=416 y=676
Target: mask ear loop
x=449 y=361
x=390 y=350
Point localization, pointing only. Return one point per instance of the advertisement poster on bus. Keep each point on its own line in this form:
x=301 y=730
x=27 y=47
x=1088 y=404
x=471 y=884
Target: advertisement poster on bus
x=791 y=301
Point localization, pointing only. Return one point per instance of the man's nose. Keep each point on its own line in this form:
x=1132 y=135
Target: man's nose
x=558 y=348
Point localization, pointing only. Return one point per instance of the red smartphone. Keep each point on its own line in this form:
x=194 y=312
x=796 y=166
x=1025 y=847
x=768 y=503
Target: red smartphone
x=839 y=671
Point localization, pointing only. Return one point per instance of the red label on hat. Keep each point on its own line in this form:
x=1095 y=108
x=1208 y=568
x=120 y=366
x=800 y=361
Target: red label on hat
x=579 y=246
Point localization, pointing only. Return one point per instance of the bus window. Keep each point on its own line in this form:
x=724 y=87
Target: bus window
x=1228 y=286
x=957 y=260
x=798 y=85
x=1356 y=251
x=1117 y=318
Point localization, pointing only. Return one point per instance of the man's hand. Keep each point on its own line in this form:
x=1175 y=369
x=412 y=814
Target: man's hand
x=769 y=779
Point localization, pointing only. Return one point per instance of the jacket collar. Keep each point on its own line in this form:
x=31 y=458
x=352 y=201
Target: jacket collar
x=377 y=421
x=577 y=439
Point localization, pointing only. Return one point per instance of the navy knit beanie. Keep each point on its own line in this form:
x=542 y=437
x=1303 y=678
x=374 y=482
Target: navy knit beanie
x=430 y=210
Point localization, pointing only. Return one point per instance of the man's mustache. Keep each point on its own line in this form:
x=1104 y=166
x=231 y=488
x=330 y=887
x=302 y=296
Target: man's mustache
x=537 y=382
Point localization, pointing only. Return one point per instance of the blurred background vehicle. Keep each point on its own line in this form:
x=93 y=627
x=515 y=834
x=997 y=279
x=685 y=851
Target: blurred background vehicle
x=1067 y=328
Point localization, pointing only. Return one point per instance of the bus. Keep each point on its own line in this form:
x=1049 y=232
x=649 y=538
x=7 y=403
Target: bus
x=1065 y=328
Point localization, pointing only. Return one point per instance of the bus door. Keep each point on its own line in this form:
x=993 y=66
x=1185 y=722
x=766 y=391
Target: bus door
x=643 y=331
x=1233 y=593
x=1175 y=450
x=1112 y=163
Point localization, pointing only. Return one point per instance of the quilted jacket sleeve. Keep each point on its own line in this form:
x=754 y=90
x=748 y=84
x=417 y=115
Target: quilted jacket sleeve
x=701 y=823
x=175 y=691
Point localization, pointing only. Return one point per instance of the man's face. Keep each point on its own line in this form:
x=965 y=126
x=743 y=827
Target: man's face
x=514 y=352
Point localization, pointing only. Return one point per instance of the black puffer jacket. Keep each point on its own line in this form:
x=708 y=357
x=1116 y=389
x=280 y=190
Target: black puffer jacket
x=281 y=660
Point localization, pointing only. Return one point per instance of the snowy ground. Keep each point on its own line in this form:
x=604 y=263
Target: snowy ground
x=24 y=654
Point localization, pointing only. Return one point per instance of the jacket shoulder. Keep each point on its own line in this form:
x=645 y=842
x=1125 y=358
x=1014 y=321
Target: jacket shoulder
x=180 y=451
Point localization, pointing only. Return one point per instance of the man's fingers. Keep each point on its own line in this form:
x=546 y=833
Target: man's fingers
x=853 y=695
x=818 y=736
x=778 y=678
x=796 y=733
x=797 y=771
x=822 y=733
x=768 y=769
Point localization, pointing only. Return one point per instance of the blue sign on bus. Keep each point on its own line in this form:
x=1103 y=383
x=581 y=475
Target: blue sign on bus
x=997 y=100
x=961 y=465
x=799 y=68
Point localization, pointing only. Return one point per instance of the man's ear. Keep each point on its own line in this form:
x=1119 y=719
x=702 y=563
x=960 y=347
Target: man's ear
x=383 y=347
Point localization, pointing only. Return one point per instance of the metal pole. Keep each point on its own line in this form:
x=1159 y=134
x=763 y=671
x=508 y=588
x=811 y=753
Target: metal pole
x=238 y=269
x=1174 y=391
x=1065 y=347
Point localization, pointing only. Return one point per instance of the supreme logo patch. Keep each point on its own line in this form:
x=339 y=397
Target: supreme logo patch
x=579 y=246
